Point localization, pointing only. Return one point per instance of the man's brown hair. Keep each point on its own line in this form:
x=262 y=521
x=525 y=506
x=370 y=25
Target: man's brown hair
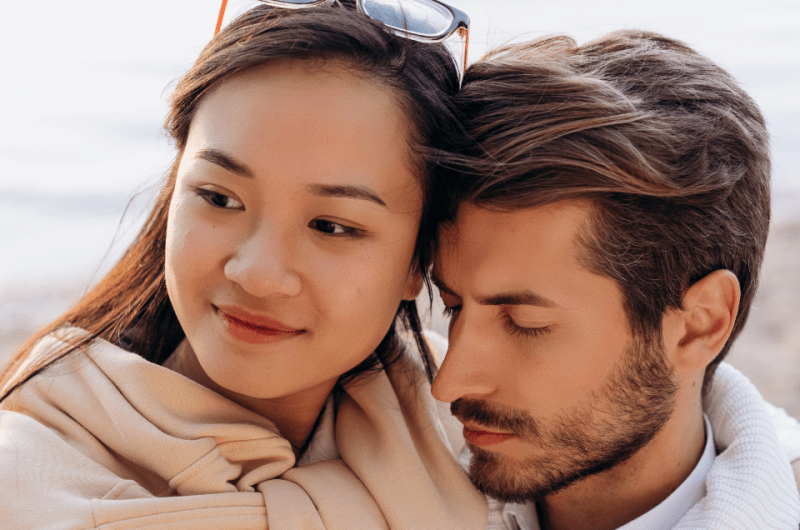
x=672 y=154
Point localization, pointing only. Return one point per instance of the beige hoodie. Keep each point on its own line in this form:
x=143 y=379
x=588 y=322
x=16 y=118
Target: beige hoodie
x=105 y=439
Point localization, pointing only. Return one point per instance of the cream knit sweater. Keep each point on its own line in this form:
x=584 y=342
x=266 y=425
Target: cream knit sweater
x=105 y=439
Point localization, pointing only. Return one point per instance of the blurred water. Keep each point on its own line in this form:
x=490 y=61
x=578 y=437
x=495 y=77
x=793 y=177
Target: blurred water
x=84 y=87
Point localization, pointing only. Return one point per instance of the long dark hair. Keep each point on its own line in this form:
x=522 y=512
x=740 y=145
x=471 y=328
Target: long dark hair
x=130 y=306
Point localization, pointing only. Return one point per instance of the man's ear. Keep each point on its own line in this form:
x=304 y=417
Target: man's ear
x=413 y=285
x=702 y=327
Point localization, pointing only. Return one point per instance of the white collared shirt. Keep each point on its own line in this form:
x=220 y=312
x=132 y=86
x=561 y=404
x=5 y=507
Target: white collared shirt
x=662 y=517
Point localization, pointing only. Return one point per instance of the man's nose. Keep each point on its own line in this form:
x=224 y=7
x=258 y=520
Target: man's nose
x=264 y=264
x=466 y=370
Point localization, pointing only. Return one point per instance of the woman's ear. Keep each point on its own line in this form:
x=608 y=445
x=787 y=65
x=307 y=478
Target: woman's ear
x=413 y=285
x=702 y=327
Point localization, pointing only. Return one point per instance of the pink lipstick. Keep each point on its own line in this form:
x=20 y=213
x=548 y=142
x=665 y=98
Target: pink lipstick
x=254 y=329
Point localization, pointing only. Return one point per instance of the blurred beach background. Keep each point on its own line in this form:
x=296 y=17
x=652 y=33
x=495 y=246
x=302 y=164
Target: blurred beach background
x=83 y=97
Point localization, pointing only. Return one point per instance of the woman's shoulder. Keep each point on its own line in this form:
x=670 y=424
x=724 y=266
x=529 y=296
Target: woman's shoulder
x=58 y=481
x=103 y=426
x=64 y=351
x=73 y=378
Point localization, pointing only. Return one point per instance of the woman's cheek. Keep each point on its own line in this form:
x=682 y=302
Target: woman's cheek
x=195 y=246
x=176 y=247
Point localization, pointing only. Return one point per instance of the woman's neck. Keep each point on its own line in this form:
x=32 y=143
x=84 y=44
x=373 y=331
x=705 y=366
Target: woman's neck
x=294 y=416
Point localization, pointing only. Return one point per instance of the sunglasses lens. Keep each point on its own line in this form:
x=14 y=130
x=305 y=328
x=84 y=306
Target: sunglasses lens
x=426 y=19
x=301 y=3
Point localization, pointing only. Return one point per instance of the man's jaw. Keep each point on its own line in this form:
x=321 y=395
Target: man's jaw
x=515 y=459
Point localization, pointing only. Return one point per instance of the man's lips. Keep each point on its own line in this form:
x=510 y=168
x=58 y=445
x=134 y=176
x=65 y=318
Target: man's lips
x=482 y=438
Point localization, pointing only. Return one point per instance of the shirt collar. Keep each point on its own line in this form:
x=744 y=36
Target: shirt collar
x=520 y=516
x=667 y=514
x=662 y=517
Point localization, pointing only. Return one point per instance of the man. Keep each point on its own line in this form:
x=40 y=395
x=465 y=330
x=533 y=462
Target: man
x=602 y=253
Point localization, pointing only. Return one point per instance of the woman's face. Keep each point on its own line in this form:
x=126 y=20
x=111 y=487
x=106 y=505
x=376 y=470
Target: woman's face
x=292 y=227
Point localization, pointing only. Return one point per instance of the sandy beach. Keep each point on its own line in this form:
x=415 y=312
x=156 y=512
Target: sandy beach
x=768 y=351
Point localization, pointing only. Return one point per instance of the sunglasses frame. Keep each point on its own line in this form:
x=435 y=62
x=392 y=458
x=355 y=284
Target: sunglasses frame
x=459 y=24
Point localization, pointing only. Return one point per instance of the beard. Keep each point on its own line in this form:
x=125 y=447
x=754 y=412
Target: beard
x=623 y=416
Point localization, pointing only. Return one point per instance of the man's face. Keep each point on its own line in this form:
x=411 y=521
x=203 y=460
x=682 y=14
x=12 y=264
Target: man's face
x=541 y=368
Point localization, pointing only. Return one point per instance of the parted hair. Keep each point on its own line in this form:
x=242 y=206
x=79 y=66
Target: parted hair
x=130 y=306
x=670 y=152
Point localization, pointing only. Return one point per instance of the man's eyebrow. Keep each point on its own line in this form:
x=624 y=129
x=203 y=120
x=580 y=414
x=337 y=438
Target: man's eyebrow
x=350 y=191
x=225 y=161
x=524 y=297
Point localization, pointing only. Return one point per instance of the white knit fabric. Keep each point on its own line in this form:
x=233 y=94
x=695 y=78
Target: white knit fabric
x=749 y=487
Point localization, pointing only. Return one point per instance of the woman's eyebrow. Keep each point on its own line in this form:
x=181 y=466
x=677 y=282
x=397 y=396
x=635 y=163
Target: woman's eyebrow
x=350 y=191
x=225 y=161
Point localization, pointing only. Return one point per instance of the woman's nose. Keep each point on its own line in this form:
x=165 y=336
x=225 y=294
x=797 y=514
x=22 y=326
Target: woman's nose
x=263 y=265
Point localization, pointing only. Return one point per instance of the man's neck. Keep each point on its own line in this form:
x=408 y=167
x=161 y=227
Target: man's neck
x=615 y=497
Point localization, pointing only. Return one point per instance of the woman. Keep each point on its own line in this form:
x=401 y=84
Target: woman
x=279 y=265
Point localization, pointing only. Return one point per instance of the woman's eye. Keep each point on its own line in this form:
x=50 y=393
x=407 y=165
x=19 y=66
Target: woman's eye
x=329 y=227
x=219 y=200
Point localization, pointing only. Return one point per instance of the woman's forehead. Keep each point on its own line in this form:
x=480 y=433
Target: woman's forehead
x=314 y=125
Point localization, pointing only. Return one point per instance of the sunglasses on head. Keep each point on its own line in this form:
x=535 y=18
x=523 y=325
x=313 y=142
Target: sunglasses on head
x=419 y=20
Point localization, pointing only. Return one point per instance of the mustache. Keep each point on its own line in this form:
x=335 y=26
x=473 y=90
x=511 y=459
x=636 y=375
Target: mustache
x=498 y=417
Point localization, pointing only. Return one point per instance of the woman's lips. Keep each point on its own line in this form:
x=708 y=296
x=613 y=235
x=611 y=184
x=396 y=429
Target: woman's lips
x=254 y=329
x=485 y=438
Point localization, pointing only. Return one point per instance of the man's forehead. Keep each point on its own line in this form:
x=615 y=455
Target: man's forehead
x=519 y=244
x=472 y=220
